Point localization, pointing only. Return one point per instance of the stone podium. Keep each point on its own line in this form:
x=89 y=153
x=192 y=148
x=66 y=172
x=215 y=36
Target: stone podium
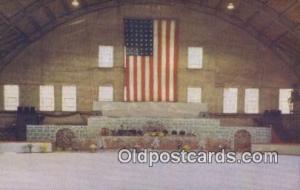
x=150 y=109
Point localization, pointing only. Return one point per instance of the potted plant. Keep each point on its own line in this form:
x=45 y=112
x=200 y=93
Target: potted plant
x=29 y=148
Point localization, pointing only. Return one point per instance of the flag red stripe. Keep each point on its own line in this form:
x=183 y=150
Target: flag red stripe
x=143 y=78
x=127 y=77
x=168 y=60
x=135 y=77
x=175 y=62
x=151 y=78
x=159 y=60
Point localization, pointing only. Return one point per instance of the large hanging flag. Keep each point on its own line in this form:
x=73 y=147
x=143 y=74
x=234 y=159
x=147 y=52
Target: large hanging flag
x=150 y=60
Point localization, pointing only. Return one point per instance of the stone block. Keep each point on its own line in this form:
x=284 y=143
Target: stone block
x=21 y=147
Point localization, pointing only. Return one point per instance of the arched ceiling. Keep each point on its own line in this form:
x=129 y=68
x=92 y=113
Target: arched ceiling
x=275 y=23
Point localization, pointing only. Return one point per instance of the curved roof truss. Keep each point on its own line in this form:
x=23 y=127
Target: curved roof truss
x=277 y=26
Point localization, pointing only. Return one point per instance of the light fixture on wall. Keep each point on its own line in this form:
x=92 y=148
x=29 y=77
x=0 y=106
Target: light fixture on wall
x=230 y=6
x=75 y=3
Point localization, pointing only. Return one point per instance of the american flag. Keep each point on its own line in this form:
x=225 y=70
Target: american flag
x=150 y=60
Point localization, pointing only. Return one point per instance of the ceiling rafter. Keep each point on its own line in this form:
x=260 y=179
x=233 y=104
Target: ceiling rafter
x=289 y=7
x=10 y=42
x=9 y=54
x=289 y=26
x=270 y=12
x=30 y=18
x=84 y=3
x=12 y=25
x=264 y=28
x=285 y=33
x=32 y=7
x=9 y=37
x=218 y=6
x=280 y=36
x=49 y=12
x=34 y=23
x=66 y=6
x=290 y=47
x=199 y=2
x=251 y=18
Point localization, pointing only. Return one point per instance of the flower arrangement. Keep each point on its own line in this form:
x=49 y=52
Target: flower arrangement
x=44 y=148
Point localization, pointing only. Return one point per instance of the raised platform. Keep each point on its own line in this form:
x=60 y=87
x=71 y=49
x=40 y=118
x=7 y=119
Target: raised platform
x=150 y=109
x=207 y=131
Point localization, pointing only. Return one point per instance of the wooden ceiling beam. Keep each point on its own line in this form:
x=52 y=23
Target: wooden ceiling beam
x=49 y=13
x=12 y=25
x=70 y=13
x=34 y=23
x=289 y=7
x=30 y=18
x=257 y=5
x=84 y=3
x=197 y=2
x=251 y=18
x=218 y=7
x=66 y=7
x=32 y=7
x=280 y=36
x=264 y=28
x=9 y=42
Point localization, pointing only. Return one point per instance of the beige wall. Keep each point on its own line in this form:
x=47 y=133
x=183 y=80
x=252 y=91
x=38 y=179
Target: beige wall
x=68 y=55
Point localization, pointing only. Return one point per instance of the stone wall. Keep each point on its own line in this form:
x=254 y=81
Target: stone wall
x=69 y=56
x=47 y=133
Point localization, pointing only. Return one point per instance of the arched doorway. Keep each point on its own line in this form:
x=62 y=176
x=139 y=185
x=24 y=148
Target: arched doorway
x=242 y=141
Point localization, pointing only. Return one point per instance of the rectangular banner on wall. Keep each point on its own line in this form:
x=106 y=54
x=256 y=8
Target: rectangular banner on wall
x=150 y=60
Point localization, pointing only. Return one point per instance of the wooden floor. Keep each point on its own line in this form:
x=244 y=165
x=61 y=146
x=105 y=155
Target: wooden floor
x=86 y=171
